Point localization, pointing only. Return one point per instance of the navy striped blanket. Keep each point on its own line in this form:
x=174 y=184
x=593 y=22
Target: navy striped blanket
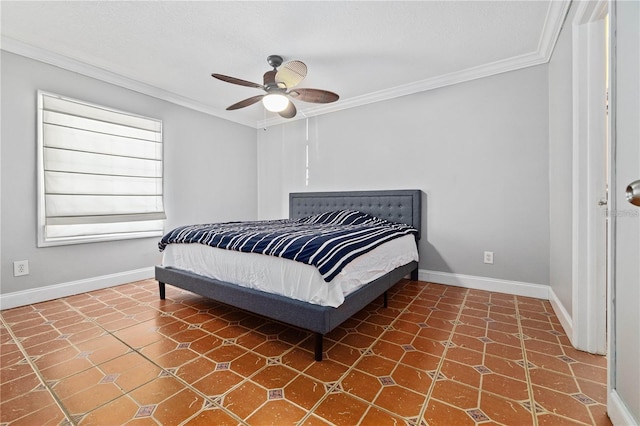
x=329 y=241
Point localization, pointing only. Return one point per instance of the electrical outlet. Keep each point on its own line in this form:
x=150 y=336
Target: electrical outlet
x=488 y=257
x=20 y=267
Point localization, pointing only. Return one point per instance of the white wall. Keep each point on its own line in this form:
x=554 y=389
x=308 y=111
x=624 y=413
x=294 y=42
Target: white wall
x=202 y=182
x=478 y=150
x=560 y=167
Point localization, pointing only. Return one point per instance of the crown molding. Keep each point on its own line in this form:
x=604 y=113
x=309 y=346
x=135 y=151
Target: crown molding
x=42 y=55
x=556 y=14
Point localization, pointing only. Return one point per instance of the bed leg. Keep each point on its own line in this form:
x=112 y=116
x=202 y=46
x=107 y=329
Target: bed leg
x=386 y=300
x=318 y=348
x=161 y=288
x=414 y=275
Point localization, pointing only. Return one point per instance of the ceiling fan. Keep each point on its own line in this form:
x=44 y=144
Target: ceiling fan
x=279 y=85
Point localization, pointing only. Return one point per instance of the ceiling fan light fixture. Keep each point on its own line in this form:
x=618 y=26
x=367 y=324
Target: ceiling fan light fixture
x=275 y=102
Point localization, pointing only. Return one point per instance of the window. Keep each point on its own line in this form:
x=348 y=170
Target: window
x=99 y=173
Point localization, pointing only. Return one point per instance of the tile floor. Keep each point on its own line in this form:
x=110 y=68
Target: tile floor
x=437 y=355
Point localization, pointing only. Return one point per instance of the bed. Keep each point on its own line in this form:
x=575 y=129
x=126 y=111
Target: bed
x=399 y=206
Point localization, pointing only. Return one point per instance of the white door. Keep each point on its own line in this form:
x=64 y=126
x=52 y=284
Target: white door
x=624 y=308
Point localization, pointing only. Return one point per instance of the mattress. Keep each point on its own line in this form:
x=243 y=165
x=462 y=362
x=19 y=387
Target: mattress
x=288 y=278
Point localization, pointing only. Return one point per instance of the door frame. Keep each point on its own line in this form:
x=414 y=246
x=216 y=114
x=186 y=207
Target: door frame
x=589 y=292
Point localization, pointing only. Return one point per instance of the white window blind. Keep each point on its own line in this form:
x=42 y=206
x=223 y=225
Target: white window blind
x=100 y=173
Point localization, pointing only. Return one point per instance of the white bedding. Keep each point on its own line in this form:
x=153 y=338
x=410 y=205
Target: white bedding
x=289 y=278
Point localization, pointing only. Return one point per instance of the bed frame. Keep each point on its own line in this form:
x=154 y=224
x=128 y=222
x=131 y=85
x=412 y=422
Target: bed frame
x=402 y=206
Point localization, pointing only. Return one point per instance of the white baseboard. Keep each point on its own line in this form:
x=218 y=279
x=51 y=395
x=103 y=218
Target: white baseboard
x=42 y=294
x=618 y=412
x=563 y=316
x=517 y=288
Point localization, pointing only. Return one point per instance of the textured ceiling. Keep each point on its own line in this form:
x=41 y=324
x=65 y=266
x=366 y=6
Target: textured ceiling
x=364 y=51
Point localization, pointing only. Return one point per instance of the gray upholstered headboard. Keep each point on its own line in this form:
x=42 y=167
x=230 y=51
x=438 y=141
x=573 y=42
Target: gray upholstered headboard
x=401 y=206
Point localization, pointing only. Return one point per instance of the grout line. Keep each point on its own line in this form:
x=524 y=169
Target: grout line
x=442 y=358
x=298 y=345
x=37 y=372
x=525 y=359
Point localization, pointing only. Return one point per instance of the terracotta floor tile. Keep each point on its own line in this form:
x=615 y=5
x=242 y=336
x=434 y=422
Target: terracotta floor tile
x=274 y=376
x=561 y=404
x=549 y=362
x=273 y=348
x=377 y=417
x=178 y=407
x=156 y=391
x=44 y=415
x=437 y=330
x=388 y=350
x=464 y=356
x=461 y=373
x=456 y=394
x=277 y=412
x=362 y=385
x=158 y=348
x=505 y=387
x=343 y=354
x=357 y=340
x=304 y=391
x=585 y=357
x=103 y=348
x=468 y=342
x=66 y=368
x=195 y=369
x=504 y=351
x=212 y=416
x=341 y=409
x=8 y=356
x=19 y=386
x=594 y=390
x=441 y=414
x=590 y=372
x=504 y=411
x=175 y=358
x=217 y=382
x=553 y=349
x=16 y=406
x=550 y=419
x=313 y=420
x=14 y=371
x=225 y=353
x=599 y=414
x=245 y=399
x=116 y=412
x=429 y=346
x=91 y=398
x=552 y=380
x=130 y=371
x=375 y=365
x=411 y=378
x=298 y=359
x=191 y=360
x=401 y=401
x=326 y=371
x=421 y=360
x=505 y=367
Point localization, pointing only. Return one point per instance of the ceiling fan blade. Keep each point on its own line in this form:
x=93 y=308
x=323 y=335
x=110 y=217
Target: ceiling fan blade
x=236 y=81
x=289 y=112
x=269 y=77
x=315 y=95
x=291 y=73
x=245 y=103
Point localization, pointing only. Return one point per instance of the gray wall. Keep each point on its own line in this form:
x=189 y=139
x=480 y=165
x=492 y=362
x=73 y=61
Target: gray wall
x=201 y=153
x=560 y=167
x=479 y=150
